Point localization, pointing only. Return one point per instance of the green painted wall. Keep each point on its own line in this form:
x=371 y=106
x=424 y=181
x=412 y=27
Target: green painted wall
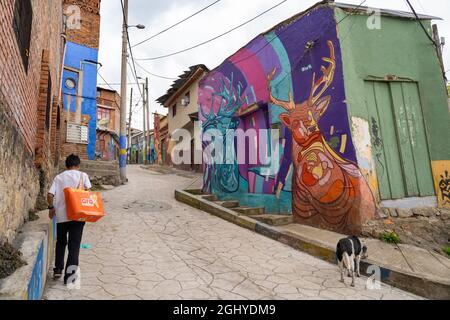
x=400 y=48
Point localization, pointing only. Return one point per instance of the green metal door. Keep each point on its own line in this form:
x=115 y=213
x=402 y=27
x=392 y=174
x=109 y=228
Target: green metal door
x=398 y=138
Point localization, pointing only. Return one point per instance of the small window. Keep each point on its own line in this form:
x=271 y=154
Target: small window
x=22 y=23
x=186 y=100
x=70 y=83
x=174 y=110
x=103 y=114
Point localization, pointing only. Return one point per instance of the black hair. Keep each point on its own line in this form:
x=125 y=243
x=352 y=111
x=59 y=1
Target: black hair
x=72 y=161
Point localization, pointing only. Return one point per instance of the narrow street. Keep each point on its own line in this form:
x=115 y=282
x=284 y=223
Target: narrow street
x=152 y=247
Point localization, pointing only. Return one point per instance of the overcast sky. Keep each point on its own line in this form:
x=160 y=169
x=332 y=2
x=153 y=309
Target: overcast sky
x=157 y=15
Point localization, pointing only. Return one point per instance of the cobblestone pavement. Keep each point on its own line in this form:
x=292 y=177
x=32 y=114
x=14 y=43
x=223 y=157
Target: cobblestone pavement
x=152 y=247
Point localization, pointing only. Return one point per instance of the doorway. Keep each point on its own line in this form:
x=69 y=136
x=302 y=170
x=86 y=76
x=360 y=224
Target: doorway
x=399 y=142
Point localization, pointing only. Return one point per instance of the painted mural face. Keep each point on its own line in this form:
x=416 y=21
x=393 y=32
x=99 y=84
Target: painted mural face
x=328 y=191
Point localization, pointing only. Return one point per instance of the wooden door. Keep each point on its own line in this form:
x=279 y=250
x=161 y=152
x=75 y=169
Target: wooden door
x=399 y=141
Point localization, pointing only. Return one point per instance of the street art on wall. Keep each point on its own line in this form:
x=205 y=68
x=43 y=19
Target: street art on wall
x=267 y=85
x=441 y=176
x=328 y=190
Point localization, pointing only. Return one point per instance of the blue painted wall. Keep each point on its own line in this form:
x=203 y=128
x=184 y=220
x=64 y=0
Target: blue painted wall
x=76 y=57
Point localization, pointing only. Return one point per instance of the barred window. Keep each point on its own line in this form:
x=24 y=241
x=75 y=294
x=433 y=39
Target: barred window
x=22 y=23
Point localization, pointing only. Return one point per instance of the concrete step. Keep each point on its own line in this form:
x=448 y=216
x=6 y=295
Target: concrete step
x=275 y=219
x=210 y=197
x=100 y=167
x=228 y=203
x=101 y=173
x=250 y=211
x=196 y=192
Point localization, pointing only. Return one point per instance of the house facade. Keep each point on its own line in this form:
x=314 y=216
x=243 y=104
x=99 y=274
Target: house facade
x=108 y=124
x=181 y=102
x=161 y=140
x=80 y=80
x=343 y=119
x=137 y=148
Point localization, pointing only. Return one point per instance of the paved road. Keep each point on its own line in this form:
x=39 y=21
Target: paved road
x=152 y=247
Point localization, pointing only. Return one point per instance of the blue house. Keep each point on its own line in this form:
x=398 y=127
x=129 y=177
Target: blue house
x=79 y=86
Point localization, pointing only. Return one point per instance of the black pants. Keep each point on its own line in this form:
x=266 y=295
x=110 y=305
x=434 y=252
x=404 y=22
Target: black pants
x=75 y=231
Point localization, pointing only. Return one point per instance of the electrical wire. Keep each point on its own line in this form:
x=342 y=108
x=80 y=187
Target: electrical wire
x=153 y=74
x=106 y=82
x=420 y=22
x=176 y=24
x=125 y=21
x=288 y=28
x=216 y=37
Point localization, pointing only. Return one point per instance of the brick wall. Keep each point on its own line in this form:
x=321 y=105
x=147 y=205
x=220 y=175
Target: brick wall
x=23 y=144
x=89 y=33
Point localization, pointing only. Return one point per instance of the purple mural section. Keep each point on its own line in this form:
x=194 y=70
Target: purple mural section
x=288 y=82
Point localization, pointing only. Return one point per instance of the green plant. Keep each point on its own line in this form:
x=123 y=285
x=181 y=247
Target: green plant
x=446 y=249
x=390 y=237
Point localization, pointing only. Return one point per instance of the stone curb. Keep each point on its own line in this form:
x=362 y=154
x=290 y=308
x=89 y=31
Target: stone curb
x=36 y=242
x=428 y=288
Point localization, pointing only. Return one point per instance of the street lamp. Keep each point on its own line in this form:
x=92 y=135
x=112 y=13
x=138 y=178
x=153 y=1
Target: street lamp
x=138 y=26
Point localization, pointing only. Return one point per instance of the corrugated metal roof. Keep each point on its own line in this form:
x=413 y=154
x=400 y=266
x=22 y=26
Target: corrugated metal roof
x=384 y=12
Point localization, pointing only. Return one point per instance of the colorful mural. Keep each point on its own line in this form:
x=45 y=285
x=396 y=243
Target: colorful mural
x=328 y=190
x=267 y=85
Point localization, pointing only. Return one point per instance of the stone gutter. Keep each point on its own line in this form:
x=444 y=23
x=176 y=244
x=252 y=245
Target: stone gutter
x=36 y=242
x=428 y=276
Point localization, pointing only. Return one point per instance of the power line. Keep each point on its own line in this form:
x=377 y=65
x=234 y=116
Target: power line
x=420 y=22
x=288 y=28
x=129 y=47
x=216 y=37
x=153 y=74
x=176 y=24
x=106 y=82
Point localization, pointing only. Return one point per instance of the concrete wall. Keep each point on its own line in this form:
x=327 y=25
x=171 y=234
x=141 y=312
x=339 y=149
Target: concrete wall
x=401 y=48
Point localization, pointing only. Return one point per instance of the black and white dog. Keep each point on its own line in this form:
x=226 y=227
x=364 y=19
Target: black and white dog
x=349 y=252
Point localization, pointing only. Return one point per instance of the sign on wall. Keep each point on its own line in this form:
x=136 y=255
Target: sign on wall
x=77 y=133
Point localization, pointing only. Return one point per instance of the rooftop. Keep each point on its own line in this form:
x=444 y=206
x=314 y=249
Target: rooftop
x=180 y=82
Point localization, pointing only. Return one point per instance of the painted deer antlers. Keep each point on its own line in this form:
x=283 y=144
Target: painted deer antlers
x=323 y=82
x=327 y=76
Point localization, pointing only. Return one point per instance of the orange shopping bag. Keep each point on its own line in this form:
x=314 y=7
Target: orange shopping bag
x=81 y=205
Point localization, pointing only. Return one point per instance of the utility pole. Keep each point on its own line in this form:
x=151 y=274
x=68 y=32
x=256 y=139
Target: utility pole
x=129 y=125
x=144 y=147
x=123 y=98
x=147 y=112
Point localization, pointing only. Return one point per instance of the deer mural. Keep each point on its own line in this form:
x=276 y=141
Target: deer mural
x=327 y=191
